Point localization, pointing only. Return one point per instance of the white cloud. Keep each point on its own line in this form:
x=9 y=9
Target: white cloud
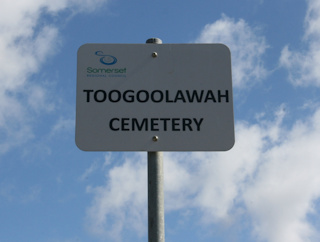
x=303 y=66
x=26 y=41
x=246 y=46
x=270 y=176
x=121 y=203
x=63 y=125
x=208 y=181
x=38 y=98
x=89 y=171
x=287 y=184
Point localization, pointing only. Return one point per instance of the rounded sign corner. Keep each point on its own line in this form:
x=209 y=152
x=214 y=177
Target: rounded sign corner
x=82 y=47
x=230 y=146
x=80 y=146
x=225 y=47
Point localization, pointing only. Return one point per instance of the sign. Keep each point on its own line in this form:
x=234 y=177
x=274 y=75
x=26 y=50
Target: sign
x=154 y=97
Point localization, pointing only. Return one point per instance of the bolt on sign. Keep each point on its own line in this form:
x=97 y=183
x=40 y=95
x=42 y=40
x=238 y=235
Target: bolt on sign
x=148 y=97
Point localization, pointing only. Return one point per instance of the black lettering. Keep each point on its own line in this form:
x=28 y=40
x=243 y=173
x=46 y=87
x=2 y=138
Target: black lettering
x=154 y=124
x=194 y=96
x=124 y=124
x=175 y=124
x=226 y=95
x=186 y=122
x=179 y=96
x=88 y=94
x=167 y=97
x=128 y=98
x=102 y=98
x=116 y=99
x=160 y=96
x=165 y=120
x=144 y=123
x=210 y=96
x=198 y=123
x=146 y=96
x=111 y=124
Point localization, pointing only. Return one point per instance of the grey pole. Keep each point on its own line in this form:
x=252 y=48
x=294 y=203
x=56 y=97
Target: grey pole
x=155 y=188
x=155 y=197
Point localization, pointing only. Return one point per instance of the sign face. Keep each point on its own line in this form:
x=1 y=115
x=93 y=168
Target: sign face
x=154 y=97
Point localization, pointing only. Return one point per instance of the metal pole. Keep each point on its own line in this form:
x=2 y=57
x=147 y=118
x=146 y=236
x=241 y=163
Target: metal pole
x=155 y=189
x=155 y=197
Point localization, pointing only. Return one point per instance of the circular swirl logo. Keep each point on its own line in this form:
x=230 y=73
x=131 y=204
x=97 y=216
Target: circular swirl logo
x=106 y=59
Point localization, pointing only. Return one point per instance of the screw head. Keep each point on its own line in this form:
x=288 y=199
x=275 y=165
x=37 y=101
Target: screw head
x=154 y=41
x=154 y=54
x=155 y=138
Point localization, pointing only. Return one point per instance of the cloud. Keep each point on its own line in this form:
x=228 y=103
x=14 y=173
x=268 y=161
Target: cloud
x=10 y=192
x=121 y=203
x=303 y=66
x=270 y=176
x=63 y=125
x=287 y=184
x=27 y=40
x=247 y=49
x=89 y=171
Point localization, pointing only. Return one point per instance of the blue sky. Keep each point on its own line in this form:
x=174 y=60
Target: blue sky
x=267 y=188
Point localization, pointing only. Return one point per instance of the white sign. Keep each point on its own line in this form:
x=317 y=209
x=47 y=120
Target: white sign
x=154 y=97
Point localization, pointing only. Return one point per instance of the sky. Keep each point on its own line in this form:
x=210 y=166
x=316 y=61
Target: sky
x=266 y=188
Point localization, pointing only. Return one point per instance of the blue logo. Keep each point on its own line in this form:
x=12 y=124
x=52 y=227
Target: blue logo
x=106 y=59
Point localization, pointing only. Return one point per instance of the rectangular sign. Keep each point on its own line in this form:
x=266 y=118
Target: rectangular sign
x=154 y=97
